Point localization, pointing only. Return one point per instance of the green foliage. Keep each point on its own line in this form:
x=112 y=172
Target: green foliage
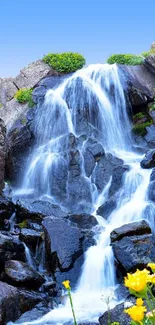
x=140 y=129
x=23 y=224
x=115 y=323
x=139 y=115
x=128 y=59
x=1 y=105
x=152 y=105
x=24 y=96
x=65 y=62
x=146 y=54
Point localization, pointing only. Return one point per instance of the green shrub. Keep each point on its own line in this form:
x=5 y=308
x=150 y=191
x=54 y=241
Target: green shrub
x=24 y=96
x=139 y=115
x=140 y=129
x=128 y=59
x=65 y=62
x=146 y=54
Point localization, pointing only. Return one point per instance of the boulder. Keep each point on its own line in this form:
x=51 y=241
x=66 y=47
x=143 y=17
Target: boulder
x=93 y=150
x=152 y=177
x=20 y=274
x=63 y=243
x=12 y=111
x=149 y=63
x=149 y=160
x=30 y=298
x=37 y=210
x=2 y=153
x=83 y=221
x=150 y=136
x=7 y=90
x=117 y=179
x=131 y=229
x=10 y=248
x=116 y=315
x=9 y=303
x=106 y=208
x=7 y=208
x=30 y=237
x=138 y=248
x=151 y=191
x=37 y=312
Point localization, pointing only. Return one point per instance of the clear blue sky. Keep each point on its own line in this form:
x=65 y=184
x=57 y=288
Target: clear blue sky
x=96 y=28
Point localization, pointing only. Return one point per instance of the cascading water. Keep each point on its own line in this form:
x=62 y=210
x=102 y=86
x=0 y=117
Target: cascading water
x=94 y=94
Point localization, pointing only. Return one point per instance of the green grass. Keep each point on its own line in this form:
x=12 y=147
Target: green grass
x=65 y=62
x=24 y=96
x=128 y=59
x=140 y=129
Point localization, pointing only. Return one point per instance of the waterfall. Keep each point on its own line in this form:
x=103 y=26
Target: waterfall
x=94 y=93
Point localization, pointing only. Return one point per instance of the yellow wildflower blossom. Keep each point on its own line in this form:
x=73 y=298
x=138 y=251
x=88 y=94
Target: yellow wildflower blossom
x=136 y=313
x=139 y=302
x=138 y=280
x=152 y=266
x=66 y=284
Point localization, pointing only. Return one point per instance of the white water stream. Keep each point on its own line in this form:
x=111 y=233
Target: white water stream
x=98 y=272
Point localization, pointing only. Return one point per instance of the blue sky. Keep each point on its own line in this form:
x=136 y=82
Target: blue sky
x=96 y=28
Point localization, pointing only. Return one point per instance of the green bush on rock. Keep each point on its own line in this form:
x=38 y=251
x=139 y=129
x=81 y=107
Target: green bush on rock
x=24 y=96
x=128 y=59
x=140 y=129
x=65 y=62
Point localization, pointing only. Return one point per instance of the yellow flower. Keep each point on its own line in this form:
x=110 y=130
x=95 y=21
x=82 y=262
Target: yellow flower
x=66 y=284
x=152 y=266
x=138 y=280
x=136 y=313
x=139 y=302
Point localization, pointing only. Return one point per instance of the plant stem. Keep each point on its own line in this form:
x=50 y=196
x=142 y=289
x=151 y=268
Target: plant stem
x=72 y=307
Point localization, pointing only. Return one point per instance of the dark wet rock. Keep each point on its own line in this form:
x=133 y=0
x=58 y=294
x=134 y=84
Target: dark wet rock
x=34 y=226
x=149 y=160
x=30 y=237
x=152 y=177
x=63 y=243
x=149 y=63
x=139 y=249
x=93 y=150
x=151 y=191
x=2 y=153
x=7 y=208
x=150 y=136
x=37 y=210
x=10 y=248
x=131 y=229
x=29 y=299
x=152 y=115
x=117 y=179
x=84 y=221
x=104 y=169
x=36 y=313
x=9 y=303
x=20 y=141
x=39 y=94
x=20 y=274
x=106 y=208
x=116 y=315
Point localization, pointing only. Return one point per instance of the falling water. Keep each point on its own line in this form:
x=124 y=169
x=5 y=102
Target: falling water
x=28 y=256
x=97 y=87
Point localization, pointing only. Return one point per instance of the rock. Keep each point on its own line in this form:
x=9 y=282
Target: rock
x=9 y=303
x=7 y=208
x=152 y=177
x=2 y=153
x=7 y=90
x=10 y=248
x=30 y=237
x=84 y=221
x=151 y=191
x=139 y=249
x=150 y=136
x=29 y=299
x=106 y=208
x=37 y=210
x=117 y=179
x=152 y=115
x=93 y=150
x=63 y=243
x=32 y=74
x=149 y=160
x=34 y=314
x=104 y=169
x=12 y=111
x=149 y=63
x=131 y=229
x=116 y=315
x=20 y=141
x=20 y=274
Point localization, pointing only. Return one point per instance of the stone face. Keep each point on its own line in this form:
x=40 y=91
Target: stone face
x=11 y=112
x=22 y=275
x=139 y=250
x=149 y=160
x=30 y=237
x=28 y=299
x=106 y=209
x=131 y=229
x=84 y=221
x=7 y=89
x=63 y=242
x=150 y=63
x=10 y=248
x=9 y=303
x=151 y=191
x=2 y=153
x=150 y=136
x=34 y=314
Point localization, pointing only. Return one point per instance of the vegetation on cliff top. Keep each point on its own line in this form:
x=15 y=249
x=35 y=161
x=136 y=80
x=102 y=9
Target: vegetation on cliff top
x=130 y=59
x=65 y=62
x=24 y=96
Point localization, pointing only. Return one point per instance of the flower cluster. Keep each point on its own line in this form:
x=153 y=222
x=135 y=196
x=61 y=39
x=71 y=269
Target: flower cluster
x=140 y=284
